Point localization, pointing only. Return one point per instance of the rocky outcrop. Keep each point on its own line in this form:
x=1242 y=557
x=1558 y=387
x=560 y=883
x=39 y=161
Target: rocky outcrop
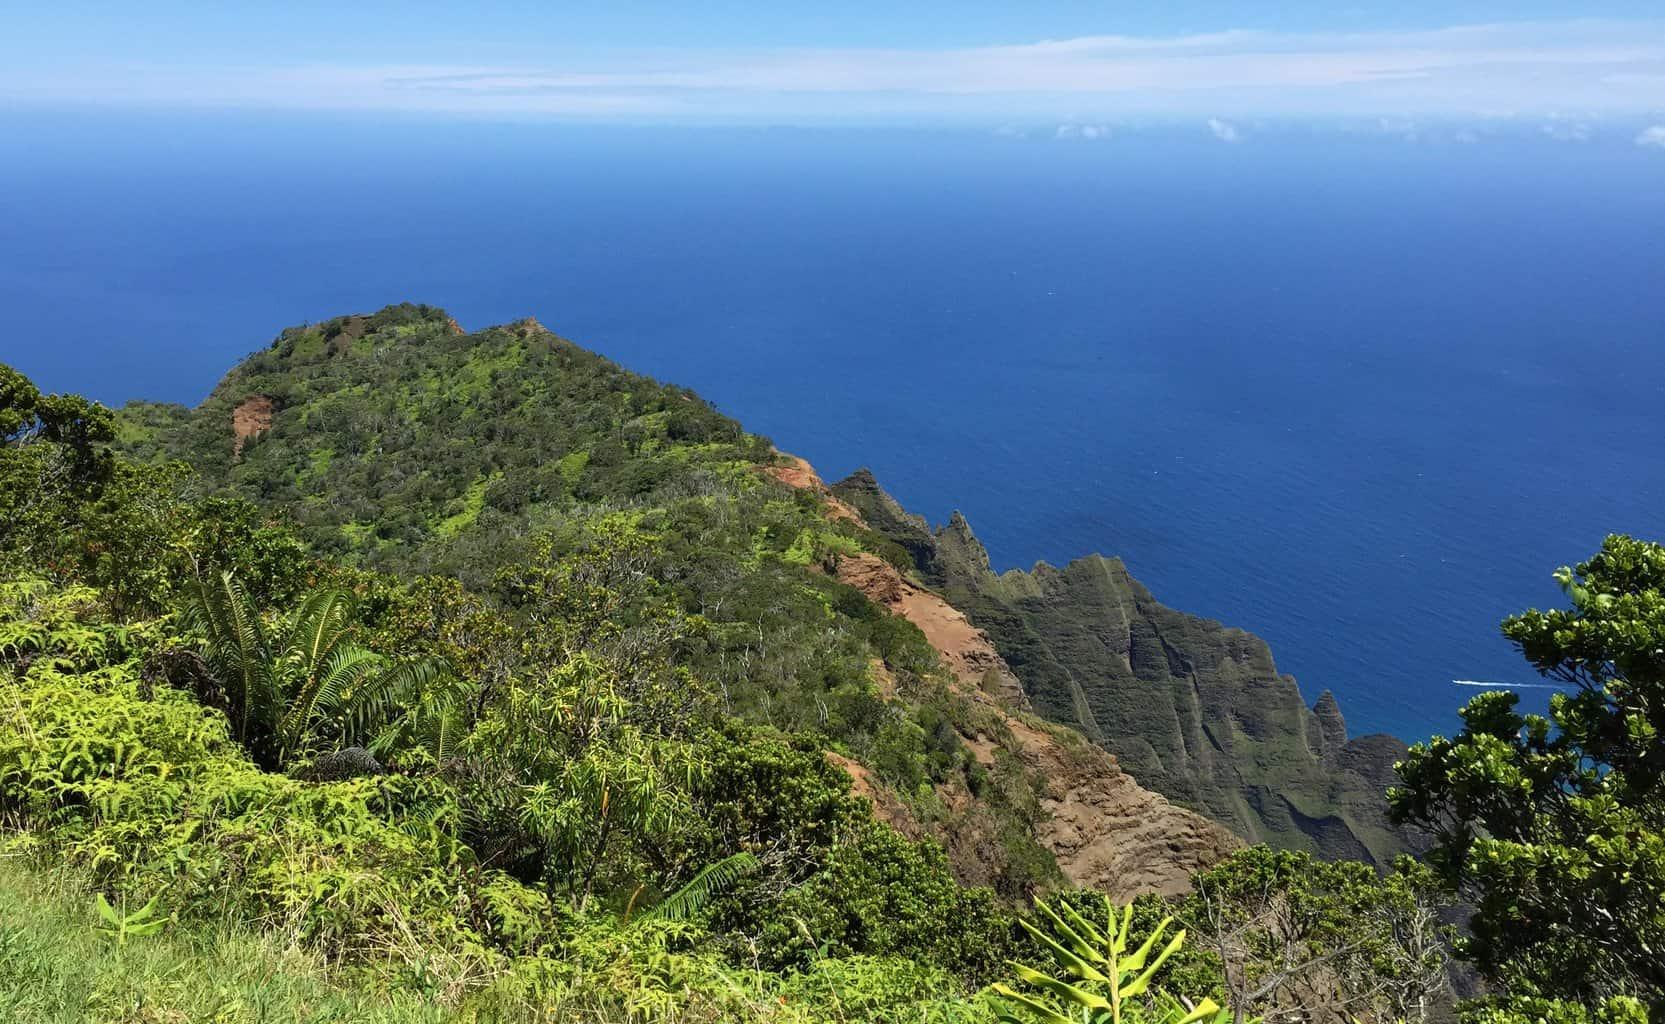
x=251 y=418
x=801 y=476
x=1103 y=829
x=886 y=516
x=1332 y=728
x=965 y=649
x=1192 y=709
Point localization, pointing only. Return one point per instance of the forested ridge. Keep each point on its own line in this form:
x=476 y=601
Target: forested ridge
x=451 y=676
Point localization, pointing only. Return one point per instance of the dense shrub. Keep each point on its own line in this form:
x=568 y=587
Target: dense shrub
x=881 y=894
x=144 y=788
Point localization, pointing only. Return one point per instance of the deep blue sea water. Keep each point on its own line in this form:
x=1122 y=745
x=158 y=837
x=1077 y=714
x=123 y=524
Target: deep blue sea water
x=1358 y=396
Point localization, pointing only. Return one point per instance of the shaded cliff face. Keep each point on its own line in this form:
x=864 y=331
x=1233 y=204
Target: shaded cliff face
x=1103 y=828
x=1192 y=709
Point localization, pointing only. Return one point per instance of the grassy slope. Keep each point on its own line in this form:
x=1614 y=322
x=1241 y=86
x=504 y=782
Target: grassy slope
x=56 y=968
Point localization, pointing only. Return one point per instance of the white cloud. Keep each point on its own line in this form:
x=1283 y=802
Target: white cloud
x=1528 y=67
x=1082 y=131
x=1399 y=126
x=1225 y=131
x=1652 y=137
x=1563 y=131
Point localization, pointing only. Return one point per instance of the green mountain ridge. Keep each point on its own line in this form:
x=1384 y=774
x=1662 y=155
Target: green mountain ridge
x=469 y=677
x=1193 y=709
x=399 y=442
x=392 y=435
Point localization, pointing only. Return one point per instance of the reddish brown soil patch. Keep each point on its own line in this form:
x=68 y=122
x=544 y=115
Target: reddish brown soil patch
x=1104 y=829
x=966 y=650
x=887 y=807
x=251 y=418
x=801 y=476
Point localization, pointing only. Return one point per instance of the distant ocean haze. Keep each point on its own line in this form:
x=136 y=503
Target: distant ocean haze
x=1359 y=396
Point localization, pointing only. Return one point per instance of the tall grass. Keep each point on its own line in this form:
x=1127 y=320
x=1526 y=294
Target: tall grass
x=60 y=963
x=57 y=968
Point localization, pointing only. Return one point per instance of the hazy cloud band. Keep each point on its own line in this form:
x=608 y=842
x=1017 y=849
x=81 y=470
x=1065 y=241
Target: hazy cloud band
x=1526 y=68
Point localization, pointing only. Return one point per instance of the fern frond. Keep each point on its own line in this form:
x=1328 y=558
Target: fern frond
x=320 y=694
x=712 y=881
x=237 y=647
x=317 y=628
x=408 y=684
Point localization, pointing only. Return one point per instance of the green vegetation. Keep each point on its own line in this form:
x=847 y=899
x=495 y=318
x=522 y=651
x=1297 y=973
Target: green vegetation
x=59 y=968
x=1554 y=828
x=585 y=509
x=534 y=792
x=1286 y=933
x=478 y=680
x=290 y=690
x=1194 y=710
x=1110 y=982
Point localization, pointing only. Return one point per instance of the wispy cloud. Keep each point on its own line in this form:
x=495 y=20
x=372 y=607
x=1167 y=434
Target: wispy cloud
x=1225 y=131
x=1583 y=65
x=1089 y=132
x=1653 y=137
x=1567 y=131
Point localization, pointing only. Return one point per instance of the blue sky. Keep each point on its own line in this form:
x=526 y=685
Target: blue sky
x=852 y=61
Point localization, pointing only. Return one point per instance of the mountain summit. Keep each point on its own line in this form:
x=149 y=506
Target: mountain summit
x=401 y=443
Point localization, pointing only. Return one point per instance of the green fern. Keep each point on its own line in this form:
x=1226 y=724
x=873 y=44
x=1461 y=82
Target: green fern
x=712 y=881
x=432 y=711
x=302 y=677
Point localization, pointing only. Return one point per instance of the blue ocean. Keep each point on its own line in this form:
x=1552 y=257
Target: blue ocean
x=1356 y=394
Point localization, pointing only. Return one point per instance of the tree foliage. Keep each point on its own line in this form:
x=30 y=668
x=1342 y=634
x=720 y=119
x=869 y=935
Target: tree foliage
x=1296 y=938
x=1554 y=827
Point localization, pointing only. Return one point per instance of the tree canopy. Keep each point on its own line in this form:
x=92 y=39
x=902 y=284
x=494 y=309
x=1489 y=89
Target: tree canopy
x=1553 y=827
